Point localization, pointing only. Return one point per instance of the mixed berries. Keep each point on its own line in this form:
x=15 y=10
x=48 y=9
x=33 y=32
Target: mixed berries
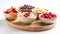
x=27 y=14
x=11 y=11
x=27 y=7
x=48 y=15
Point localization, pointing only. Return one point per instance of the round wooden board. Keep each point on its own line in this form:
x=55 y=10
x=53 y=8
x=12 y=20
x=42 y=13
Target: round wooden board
x=33 y=26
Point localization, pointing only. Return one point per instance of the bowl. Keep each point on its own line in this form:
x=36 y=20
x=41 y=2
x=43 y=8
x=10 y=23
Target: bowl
x=23 y=19
x=10 y=16
x=47 y=20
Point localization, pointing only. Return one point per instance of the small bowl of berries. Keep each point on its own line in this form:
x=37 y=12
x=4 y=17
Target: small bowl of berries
x=11 y=13
x=26 y=8
x=47 y=18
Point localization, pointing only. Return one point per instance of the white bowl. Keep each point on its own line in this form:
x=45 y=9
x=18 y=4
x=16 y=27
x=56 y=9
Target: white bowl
x=25 y=20
x=47 y=20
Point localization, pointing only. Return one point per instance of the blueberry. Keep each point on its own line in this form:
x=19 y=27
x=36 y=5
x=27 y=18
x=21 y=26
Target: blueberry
x=33 y=7
x=25 y=6
x=28 y=6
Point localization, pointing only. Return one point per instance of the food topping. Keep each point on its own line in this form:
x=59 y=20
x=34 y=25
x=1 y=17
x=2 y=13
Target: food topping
x=48 y=15
x=27 y=14
x=27 y=7
x=39 y=10
x=11 y=11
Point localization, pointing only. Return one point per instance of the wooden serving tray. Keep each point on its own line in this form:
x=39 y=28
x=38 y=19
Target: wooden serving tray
x=36 y=25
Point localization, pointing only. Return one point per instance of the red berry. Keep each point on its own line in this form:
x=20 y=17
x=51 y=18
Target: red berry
x=30 y=7
x=22 y=7
x=6 y=12
x=46 y=16
x=50 y=17
x=42 y=16
x=55 y=15
x=11 y=12
x=27 y=14
x=50 y=13
x=14 y=10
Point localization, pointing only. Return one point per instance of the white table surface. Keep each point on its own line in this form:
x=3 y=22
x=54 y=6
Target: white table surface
x=51 y=5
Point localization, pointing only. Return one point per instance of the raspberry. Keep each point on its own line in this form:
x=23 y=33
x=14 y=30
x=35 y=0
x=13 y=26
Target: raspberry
x=27 y=14
x=23 y=7
x=42 y=16
x=48 y=15
x=55 y=15
x=30 y=7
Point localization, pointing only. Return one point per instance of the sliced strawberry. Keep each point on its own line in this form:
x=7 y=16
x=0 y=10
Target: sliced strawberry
x=6 y=12
x=14 y=10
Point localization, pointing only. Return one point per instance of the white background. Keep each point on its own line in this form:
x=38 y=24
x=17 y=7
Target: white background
x=51 y=5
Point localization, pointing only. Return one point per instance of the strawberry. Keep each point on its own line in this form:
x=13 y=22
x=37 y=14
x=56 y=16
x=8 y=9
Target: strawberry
x=6 y=11
x=11 y=11
x=14 y=10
